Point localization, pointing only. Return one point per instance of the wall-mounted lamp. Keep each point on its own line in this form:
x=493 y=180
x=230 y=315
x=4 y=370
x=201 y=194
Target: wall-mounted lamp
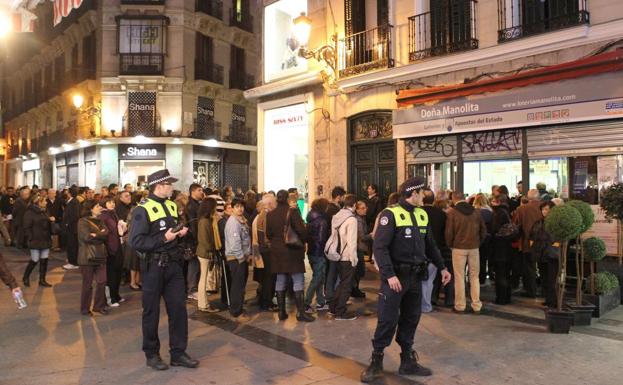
x=326 y=54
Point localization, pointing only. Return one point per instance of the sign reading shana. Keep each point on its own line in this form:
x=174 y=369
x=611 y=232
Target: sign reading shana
x=142 y=151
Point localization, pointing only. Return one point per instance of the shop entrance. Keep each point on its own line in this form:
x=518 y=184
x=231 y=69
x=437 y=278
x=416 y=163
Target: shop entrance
x=439 y=176
x=136 y=171
x=479 y=176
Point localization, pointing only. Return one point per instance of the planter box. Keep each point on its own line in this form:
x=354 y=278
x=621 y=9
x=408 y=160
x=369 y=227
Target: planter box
x=604 y=302
x=582 y=314
x=558 y=322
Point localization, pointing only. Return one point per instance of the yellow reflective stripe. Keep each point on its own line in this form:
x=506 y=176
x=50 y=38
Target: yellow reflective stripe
x=421 y=216
x=155 y=211
x=401 y=216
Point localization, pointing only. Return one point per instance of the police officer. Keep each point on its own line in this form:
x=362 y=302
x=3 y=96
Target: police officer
x=403 y=246
x=152 y=235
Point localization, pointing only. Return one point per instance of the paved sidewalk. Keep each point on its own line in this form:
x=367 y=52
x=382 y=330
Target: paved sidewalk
x=50 y=343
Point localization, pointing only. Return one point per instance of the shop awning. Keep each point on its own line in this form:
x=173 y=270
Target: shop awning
x=606 y=62
x=582 y=90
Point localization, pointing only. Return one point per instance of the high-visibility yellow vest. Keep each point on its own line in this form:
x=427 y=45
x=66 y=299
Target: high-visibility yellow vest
x=402 y=218
x=155 y=211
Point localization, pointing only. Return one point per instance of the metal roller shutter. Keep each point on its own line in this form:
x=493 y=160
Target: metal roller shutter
x=590 y=137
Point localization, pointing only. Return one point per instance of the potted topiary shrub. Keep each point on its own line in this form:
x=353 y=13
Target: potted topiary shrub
x=563 y=223
x=582 y=312
x=607 y=292
x=611 y=201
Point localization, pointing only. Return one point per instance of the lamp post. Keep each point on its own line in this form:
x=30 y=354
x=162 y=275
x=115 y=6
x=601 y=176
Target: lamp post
x=326 y=54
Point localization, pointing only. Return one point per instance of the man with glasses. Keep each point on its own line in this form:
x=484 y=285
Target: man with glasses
x=154 y=234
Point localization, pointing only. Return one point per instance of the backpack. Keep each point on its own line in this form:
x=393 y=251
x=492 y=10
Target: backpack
x=333 y=248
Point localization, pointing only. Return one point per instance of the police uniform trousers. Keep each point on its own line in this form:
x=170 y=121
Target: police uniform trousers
x=402 y=310
x=168 y=282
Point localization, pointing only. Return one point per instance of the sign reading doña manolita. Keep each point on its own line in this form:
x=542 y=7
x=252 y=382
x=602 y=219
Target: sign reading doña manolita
x=447 y=111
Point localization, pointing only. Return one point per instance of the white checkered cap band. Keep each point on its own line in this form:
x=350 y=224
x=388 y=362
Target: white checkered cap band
x=153 y=182
x=408 y=189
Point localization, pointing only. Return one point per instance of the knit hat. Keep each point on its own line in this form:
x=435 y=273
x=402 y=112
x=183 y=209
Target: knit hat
x=412 y=184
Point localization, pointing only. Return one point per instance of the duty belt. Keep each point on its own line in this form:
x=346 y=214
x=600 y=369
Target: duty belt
x=163 y=258
x=406 y=269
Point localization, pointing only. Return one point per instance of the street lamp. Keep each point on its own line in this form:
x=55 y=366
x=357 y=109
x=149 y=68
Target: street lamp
x=326 y=54
x=78 y=100
x=91 y=111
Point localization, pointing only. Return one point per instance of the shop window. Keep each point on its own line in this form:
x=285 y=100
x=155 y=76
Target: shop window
x=136 y=171
x=142 y=45
x=281 y=48
x=553 y=173
x=439 y=176
x=73 y=175
x=90 y=172
x=583 y=172
x=479 y=176
x=207 y=174
x=61 y=177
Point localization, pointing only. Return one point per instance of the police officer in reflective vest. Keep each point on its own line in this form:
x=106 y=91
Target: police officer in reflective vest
x=403 y=247
x=153 y=235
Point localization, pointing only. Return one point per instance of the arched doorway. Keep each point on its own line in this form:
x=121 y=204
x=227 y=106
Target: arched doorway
x=372 y=153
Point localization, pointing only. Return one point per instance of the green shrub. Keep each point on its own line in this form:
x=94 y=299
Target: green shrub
x=606 y=282
x=612 y=201
x=563 y=223
x=594 y=249
x=585 y=210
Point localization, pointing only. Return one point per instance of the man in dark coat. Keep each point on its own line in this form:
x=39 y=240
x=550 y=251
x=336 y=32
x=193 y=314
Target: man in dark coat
x=71 y=215
x=19 y=209
x=192 y=208
x=123 y=205
x=375 y=206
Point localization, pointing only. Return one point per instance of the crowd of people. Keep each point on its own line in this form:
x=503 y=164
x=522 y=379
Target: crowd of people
x=494 y=236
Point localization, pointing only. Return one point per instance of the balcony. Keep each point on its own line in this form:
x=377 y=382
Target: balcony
x=520 y=18
x=213 y=8
x=150 y=129
x=141 y=64
x=67 y=135
x=208 y=129
x=241 y=134
x=241 y=81
x=366 y=51
x=210 y=72
x=13 y=151
x=449 y=27
x=244 y=20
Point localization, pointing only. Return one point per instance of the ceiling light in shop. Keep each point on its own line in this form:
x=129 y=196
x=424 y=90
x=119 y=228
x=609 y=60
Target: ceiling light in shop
x=53 y=150
x=83 y=143
x=141 y=139
x=103 y=141
x=211 y=143
x=177 y=141
x=66 y=146
x=32 y=155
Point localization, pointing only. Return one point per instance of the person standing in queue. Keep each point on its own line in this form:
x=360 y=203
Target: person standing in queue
x=154 y=235
x=403 y=247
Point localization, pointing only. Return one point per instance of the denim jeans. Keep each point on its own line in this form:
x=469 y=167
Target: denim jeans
x=427 y=289
x=298 y=279
x=316 y=286
x=37 y=254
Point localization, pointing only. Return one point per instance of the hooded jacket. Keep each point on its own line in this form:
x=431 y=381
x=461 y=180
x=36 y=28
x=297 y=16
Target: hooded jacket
x=318 y=233
x=347 y=222
x=465 y=228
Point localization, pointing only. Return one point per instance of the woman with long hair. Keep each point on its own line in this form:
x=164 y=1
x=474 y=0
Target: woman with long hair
x=37 y=227
x=114 y=260
x=208 y=246
x=92 y=255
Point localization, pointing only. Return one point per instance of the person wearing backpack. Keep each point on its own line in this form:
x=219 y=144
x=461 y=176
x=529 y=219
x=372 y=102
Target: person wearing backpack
x=404 y=243
x=342 y=249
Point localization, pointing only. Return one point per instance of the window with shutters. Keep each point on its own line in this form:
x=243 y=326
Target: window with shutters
x=142 y=44
x=448 y=26
x=142 y=117
x=240 y=16
x=519 y=18
x=89 y=56
x=238 y=77
x=205 y=69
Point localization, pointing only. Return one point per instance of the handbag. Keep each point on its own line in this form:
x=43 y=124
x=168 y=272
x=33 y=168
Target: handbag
x=214 y=275
x=96 y=252
x=188 y=254
x=291 y=238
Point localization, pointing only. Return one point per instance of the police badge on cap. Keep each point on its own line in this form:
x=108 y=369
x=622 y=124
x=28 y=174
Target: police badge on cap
x=160 y=176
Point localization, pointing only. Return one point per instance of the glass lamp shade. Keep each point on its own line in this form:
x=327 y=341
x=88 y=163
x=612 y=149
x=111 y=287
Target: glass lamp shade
x=302 y=29
x=78 y=100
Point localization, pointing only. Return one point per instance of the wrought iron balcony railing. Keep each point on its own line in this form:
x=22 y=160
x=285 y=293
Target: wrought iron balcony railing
x=241 y=134
x=366 y=51
x=141 y=64
x=449 y=27
x=208 y=129
x=242 y=20
x=213 y=8
x=519 y=18
x=151 y=128
x=210 y=72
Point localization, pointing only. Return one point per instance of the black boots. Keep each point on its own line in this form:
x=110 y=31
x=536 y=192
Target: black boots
x=300 y=308
x=375 y=370
x=43 y=270
x=281 y=302
x=29 y=268
x=409 y=365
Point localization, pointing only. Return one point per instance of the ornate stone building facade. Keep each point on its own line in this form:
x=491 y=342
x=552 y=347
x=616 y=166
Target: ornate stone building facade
x=164 y=76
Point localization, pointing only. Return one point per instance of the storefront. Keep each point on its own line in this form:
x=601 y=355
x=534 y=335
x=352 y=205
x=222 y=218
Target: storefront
x=566 y=135
x=32 y=172
x=136 y=162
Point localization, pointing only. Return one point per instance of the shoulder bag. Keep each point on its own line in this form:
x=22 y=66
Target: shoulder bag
x=290 y=237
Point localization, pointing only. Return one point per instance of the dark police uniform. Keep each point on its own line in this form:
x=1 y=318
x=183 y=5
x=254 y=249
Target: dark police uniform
x=161 y=272
x=403 y=246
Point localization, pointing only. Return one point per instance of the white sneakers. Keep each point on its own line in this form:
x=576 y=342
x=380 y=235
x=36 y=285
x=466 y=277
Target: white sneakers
x=69 y=266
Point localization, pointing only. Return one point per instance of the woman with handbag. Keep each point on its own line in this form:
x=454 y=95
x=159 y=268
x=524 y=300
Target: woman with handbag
x=286 y=232
x=92 y=253
x=501 y=242
x=37 y=227
x=208 y=245
x=114 y=260
x=547 y=253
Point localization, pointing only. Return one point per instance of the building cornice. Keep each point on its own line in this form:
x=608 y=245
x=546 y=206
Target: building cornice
x=530 y=46
x=303 y=80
